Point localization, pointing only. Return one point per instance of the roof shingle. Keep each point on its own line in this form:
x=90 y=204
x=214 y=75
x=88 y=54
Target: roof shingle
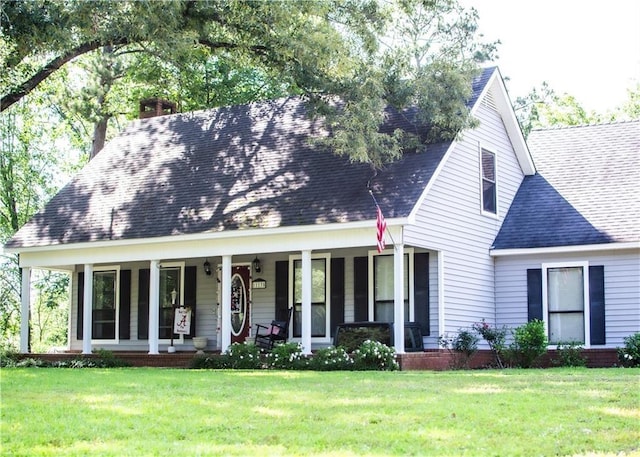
x=585 y=191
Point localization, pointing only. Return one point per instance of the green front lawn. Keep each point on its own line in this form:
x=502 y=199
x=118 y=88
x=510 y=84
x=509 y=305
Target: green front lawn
x=165 y=412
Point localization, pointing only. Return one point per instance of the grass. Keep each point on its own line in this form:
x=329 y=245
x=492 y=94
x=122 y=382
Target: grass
x=158 y=412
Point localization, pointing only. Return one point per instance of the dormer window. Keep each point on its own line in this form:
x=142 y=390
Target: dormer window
x=488 y=172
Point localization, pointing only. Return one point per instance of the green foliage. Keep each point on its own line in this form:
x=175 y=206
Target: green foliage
x=369 y=54
x=287 y=356
x=529 y=344
x=331 y=359
x=31 y=170
x=242 y=356
x=350 y=338
x=570 y=355
x=373 y=355
x=629 y=355
x=495 y=338
x=202 y=362
x=463 y=346
x=8 y=356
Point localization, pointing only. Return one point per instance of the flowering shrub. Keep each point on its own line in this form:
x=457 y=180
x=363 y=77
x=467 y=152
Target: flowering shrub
x=242 y=356
x=495 y=338
x=570 y=355
x=331 y=358
x=629 y=355
x=287 y=356
x=462 y=347
x=373 y=355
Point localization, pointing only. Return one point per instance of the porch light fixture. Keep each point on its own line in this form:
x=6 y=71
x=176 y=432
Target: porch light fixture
x=257 y=267
x=207 y=267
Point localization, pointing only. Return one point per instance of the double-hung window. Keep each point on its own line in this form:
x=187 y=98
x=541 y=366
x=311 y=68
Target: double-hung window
x=105 y=304
x=382 y=287
x=565 y=303
x=319 y=297
x=489 y=181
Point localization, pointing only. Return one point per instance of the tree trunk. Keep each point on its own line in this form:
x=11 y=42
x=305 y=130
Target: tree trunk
x=99 y=136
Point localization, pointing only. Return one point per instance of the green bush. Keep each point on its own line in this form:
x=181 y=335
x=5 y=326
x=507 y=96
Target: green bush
x=629 y=355
x=31 y=362
x=287 y=356
x=242 y=356
x=203 y=362
x=570 y=355
x=9 y=357
x=529 y=344
x=462 y=347
x=331 y=359
x=373 y=355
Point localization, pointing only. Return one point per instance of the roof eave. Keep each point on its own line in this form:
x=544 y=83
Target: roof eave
x=206 y=236
x=565 y=249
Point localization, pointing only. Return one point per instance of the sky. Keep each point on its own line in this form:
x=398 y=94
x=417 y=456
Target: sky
x=585 y=48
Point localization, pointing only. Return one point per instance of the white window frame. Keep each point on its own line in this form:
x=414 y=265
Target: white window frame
x=497 y=188
x=372 y=292
x=327 y=294
x=181 y=265
x=585 y=290
x=115 y=340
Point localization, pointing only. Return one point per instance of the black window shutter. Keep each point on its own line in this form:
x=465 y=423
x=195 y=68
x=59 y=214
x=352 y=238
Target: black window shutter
x=596 y=307
x=143 y=303
x=282 y=291
x=337 y=293
x=534 y=294
x=125 y=305
x=190 y=290
x=421 y=291
x=361 y=288
x=80 y=304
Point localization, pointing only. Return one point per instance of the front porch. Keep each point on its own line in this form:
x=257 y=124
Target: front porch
x=128 y=305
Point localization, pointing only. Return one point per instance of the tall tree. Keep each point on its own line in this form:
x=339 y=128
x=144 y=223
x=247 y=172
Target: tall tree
x=30 y=173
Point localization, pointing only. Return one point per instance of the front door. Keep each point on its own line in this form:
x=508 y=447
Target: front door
x=240 y=303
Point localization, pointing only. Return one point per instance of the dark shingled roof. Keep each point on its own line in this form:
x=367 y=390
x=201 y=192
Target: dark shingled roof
x=249 y=166
x=585 y=191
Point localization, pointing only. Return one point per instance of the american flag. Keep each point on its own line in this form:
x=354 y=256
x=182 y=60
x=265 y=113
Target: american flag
x=381 y=226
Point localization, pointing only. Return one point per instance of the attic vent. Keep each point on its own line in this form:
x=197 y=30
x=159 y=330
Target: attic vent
x=152 y=107
x=489 y=102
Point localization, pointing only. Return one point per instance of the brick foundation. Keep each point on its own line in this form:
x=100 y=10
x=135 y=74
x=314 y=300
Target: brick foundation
x=428 y=360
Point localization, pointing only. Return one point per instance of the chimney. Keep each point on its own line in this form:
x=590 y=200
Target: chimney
x=152 y=107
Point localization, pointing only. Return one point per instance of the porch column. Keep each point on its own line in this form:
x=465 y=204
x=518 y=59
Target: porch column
x=25 y=306
x=225 y=308
x=154 y=306
x=398 y=298
x=441 y=312
x=87 y=311
x=306 y=302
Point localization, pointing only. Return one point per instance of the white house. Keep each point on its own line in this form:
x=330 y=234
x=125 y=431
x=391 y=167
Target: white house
x=191 y=203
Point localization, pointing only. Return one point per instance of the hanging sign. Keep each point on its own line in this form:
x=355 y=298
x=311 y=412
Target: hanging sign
x=182 y=322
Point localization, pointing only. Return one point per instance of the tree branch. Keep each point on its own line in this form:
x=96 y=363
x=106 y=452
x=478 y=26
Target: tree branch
x=24 y=89
x=46 y=71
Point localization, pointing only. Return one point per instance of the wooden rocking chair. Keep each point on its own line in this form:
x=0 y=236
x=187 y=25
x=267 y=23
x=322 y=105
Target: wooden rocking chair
x=277 y=332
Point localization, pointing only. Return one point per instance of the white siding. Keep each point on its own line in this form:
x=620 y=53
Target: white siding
x=450 y=221
x=622 y=289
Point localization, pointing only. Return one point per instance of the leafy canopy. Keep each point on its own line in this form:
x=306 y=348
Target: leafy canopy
x=370 y=54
